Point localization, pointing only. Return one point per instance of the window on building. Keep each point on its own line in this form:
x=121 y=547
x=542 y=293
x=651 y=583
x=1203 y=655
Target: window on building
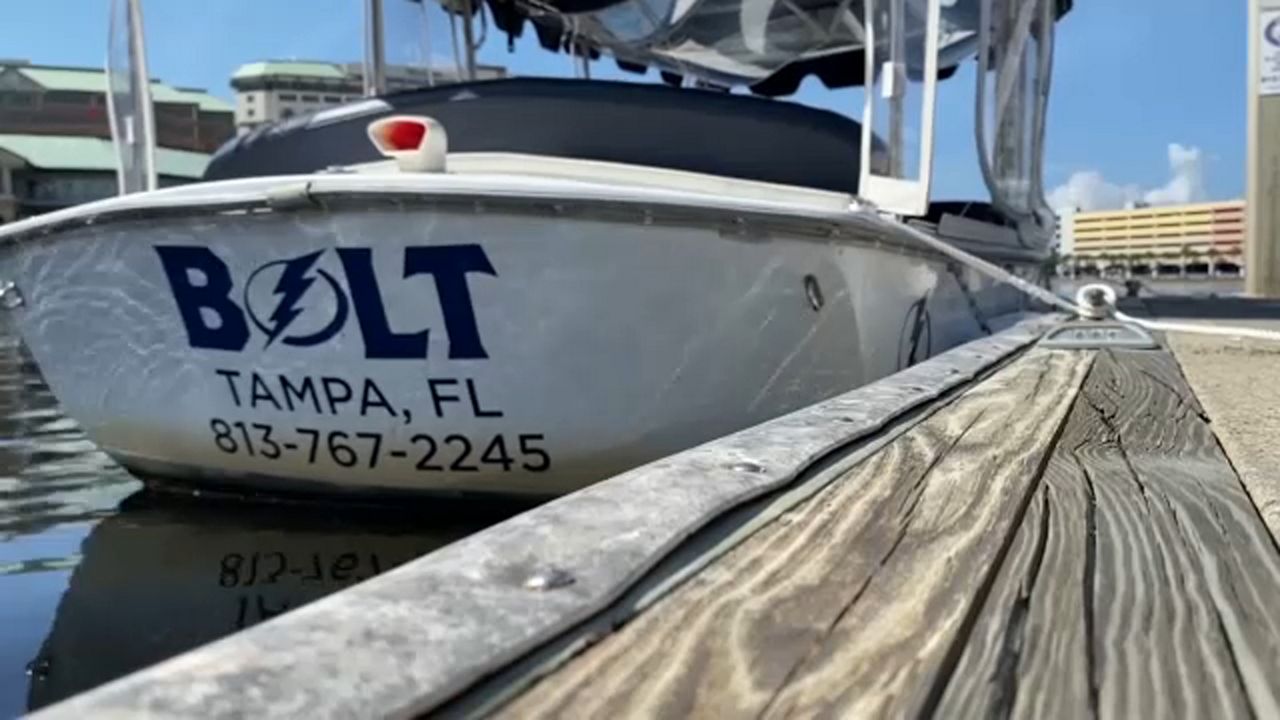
x=248 y=113
x=332 y=99
x=248 y=99
x=310 y=98
x=62 y=96
x=18 y=99
x=288 y=96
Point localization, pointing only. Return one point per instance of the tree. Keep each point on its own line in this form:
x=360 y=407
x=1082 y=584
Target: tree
x=1213 y=254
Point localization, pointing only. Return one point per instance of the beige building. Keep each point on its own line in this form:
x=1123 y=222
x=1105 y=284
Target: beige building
x=273 y=90
x=1200 y=238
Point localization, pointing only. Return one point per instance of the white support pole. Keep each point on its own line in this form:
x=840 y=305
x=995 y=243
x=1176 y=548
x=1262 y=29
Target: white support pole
x=375 y=60
x=138 y=55
x=895 y=186
x=427 y=61
x=129 y=109
x=468 y=38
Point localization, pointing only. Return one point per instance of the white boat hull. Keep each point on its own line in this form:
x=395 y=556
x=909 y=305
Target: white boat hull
x=448 y=347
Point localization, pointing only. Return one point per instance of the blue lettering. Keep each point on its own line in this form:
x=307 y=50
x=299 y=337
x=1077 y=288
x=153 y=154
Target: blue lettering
x=379 y=340
x=449 y=265
x=202 y=285
x=231 y=332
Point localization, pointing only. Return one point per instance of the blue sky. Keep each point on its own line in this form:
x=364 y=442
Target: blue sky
x=1132 y=77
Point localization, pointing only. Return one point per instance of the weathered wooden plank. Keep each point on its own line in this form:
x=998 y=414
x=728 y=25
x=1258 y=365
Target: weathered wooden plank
x=1005 y=661
x=413 y=637
x=1238 y=382
x=1145 y=583
x=848 y=604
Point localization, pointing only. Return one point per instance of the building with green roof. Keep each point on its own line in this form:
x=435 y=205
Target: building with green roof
x=91 y=154
x=55 y=136
x=266 y=69
x=57 y=100
x=39 y=173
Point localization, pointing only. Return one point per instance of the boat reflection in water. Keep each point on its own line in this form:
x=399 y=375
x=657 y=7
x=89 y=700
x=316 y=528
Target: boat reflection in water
x=168 y=574
x=140 y=576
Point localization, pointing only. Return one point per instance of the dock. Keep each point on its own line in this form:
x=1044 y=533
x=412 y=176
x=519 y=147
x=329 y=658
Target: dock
x=1009 y=529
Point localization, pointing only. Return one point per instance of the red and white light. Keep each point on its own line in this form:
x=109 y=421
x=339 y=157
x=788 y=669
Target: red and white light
x=417 y=143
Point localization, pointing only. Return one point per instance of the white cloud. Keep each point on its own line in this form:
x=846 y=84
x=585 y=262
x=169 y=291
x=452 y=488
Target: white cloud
x=1089 y=190
x=1187 y=183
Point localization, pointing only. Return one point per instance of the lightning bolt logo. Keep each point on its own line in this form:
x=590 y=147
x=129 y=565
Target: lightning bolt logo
x=296 y=279
x=291 y=286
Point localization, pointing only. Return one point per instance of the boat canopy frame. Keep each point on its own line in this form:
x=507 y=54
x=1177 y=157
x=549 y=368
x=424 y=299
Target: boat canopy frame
x=1016 y=42
x=886 y=177
x=904 y=46
x=907 y=46
x=129 y=108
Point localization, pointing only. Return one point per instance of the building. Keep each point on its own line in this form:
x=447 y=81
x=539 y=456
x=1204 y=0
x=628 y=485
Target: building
x=71 y=101
x=1172 y=240
x=1203 y=238
x=41 y=173
x=55 y=136
x=1064 y=239
x=273 y=90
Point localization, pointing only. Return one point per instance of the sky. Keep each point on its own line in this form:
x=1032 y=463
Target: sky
x=1148 y=97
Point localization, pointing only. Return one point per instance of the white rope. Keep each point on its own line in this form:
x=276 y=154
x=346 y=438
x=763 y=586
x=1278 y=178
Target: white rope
x=1096 y=301
x=1224 y=330
x=991 y=270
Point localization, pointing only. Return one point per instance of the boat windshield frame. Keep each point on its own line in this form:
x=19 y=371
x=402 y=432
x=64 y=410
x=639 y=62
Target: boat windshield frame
x=885 y=180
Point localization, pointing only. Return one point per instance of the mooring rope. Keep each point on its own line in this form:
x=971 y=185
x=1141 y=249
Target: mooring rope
x=1095 y=301
x=1206 y=329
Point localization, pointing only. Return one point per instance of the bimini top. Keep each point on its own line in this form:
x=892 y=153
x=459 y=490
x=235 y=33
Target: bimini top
x=768 y=45
x=681 y=129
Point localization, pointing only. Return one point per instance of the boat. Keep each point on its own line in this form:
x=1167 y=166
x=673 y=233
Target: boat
x=522 y=286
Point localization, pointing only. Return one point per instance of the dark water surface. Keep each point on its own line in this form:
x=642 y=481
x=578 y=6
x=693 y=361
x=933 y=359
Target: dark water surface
x=99 y=577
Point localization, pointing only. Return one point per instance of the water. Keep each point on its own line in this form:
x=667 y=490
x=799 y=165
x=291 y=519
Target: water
x=99 y=577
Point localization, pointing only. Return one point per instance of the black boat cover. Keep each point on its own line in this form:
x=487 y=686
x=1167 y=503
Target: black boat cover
x=678 y=128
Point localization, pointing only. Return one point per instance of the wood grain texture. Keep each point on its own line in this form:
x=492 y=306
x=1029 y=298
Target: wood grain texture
x=1237 y=380
x=1143 y=583
x=852 y=603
